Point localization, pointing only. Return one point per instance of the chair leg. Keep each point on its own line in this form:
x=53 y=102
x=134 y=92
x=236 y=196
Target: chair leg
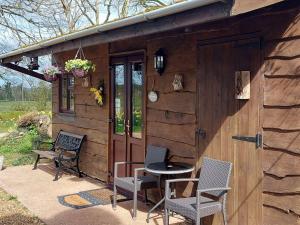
x=78 y=169
x=224 y=215
x=115 y=197
x=166 y=217
x=58 y=169
x=224 y=209
x=36 y=162
x=134 y=203
x=198 y=220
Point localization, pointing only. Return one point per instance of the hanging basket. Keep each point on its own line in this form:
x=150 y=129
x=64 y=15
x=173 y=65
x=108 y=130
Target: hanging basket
x=79 y=66
x=50 y=77
x=50 y=73
x=79 y=73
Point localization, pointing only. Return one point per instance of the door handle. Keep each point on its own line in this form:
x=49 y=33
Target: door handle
x=128 y=127
x=201 y=132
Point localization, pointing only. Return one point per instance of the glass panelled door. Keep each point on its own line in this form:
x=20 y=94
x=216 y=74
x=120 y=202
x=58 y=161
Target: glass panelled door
x=127 y=129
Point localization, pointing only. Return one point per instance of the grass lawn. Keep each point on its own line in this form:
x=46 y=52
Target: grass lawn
x=16 y=149
x=21 y=106
x=12 y=212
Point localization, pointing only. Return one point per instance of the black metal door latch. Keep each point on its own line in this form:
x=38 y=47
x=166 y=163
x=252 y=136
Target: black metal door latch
x=257 y=139
x=201 y=133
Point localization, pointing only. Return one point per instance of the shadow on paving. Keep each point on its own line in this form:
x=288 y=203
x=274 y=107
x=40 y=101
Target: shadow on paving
x=98 y=216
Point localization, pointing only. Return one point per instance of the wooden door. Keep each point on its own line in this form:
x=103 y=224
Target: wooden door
x=127 y=124
x=221 y=116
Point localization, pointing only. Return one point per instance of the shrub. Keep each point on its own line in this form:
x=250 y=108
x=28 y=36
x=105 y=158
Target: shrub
x=27 y=120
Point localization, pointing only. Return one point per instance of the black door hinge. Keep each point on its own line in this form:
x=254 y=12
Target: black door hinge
x=257 y=139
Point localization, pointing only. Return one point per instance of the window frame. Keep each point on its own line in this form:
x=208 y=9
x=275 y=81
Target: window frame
x=68 y=107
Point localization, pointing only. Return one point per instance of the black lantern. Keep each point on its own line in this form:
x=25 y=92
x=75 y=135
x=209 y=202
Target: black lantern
x=160 y=61
x=34 y=63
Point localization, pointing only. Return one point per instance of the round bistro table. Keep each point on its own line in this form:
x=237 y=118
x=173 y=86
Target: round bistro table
x=170 y=169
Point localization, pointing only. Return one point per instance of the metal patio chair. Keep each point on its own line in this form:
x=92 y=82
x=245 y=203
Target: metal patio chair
x=137 y=183
x=213 y=182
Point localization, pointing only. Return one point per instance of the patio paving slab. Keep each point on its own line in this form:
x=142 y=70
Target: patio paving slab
x=37 y=191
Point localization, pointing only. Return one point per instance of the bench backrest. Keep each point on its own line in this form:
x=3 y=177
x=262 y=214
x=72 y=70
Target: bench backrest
x=69 y=141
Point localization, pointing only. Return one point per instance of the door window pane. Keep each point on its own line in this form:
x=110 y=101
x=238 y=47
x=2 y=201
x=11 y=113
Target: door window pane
x=119 y=113
x=137 y=99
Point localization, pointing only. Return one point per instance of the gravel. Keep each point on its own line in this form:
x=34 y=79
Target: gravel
x=13 y=213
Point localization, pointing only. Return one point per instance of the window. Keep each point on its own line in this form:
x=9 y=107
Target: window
x=66 y=97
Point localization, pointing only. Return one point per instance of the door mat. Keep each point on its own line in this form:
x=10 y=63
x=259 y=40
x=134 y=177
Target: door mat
x=85 y=199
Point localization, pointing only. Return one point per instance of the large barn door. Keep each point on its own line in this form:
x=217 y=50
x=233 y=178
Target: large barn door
x=127 y=129
x=227 y=127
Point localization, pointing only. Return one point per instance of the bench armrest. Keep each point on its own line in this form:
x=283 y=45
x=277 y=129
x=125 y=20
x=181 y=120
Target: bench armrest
x=40 y=142
x=47 y=142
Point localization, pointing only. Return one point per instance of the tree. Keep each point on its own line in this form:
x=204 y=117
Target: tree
x=27 y=21
x=8 y=91
x=42 y=95
x=24 y=22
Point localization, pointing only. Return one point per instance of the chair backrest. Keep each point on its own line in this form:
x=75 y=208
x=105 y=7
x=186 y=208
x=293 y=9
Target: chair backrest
x=214 y=174
x=155 y=154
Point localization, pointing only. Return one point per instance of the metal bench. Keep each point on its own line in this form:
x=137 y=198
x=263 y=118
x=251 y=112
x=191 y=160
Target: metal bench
x=64 y=152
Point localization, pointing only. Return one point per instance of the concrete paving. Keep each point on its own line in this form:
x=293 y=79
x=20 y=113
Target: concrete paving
x=37 y=192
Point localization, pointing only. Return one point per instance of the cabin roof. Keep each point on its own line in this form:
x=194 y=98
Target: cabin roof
x=176 y=16
x=145 y=17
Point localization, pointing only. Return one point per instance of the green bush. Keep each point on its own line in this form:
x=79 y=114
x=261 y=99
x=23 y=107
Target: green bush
x=17 y=148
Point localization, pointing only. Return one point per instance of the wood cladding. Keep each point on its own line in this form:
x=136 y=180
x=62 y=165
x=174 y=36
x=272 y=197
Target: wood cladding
x=281 y=156
x=172 y=121
x=89 y=118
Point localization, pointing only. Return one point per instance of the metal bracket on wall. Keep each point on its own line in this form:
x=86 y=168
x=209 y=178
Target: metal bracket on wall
x=201 y=133
x=257 y=139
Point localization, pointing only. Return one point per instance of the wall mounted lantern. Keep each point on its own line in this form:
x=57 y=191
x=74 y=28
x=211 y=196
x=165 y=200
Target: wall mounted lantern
x=160 y=61
x=33 y=64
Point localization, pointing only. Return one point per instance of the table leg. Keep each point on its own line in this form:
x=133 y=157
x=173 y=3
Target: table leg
x=156 y=206
x=173 y=193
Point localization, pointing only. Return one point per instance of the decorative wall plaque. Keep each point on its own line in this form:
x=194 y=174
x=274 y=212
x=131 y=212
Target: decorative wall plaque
x=242 y=84
x=178 y=82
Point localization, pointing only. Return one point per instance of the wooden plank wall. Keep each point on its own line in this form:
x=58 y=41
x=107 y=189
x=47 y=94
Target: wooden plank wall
x=171 y=121
x=281 y=154
x=89 y=118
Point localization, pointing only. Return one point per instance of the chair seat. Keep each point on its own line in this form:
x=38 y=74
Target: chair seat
x=187 y=206
x=47 y=154
x=143 y=182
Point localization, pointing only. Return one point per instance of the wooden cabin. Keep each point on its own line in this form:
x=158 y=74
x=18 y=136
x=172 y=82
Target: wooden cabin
x=239 y=66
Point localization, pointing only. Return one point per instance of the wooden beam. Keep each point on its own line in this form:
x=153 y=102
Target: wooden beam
x=23 y=70
x=192 y=17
